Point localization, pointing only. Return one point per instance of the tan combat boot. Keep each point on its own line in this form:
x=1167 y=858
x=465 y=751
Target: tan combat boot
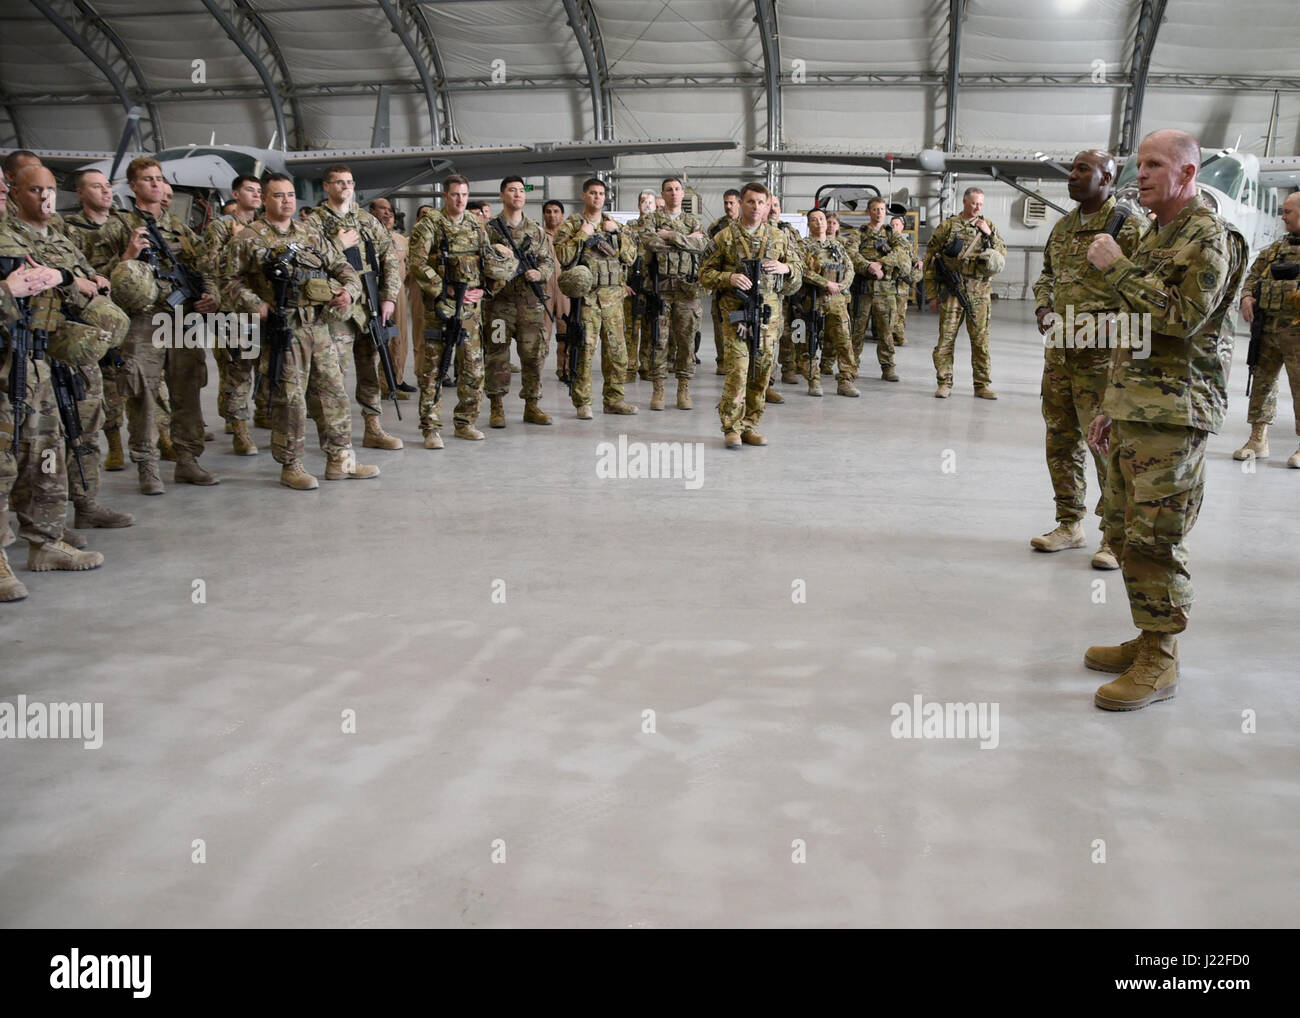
x=657 y=396
x=718 y=368
x=1112 y=659
x=166 y=450
x=261 y=419
x=70 y=536
x=343 y=466
x=753 y=438
x=150 y=480
x=622 y=407
x=432 y=440
x=889 y=374
x=1294 y=461
x=1153 y=675
x=1256 y=446
x=815 y=385
x=230 y=427
x=1066 y=535
x=789 y=377
x=985 y=393
x=944 y=391
x=292 y=475
x=847 y=388
x=584 y=412
x=11 y=588
x=1105 y=557
x=115 y=460
x=376 y=437
x=188 y=471
x=772 y=396
x=42 y=558
x=534 y=414
x=91 y=514
x=732 y=439
x=684 y=394
x=496 y=413
x=468 y=432
x=242 y=443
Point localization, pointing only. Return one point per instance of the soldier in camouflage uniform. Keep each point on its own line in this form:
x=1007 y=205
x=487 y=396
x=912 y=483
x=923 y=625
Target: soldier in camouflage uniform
x=79 y=326
x=322 y=286
x=971 y=246
x=751 y=236
x=828 y=274
x=1070 y=291
x=904 y=282
x=144 y=363
x=639 y=355
x=785 y=347
x=881 y=257
x=449 y=247
x=1159 y=411
x=590 y=239
x=676 y=240
x=364 y=241
x=731 y=211
x=83 y=228
x=514 y=310
x=15 y=284
x=1270 y=290
x=234 y=373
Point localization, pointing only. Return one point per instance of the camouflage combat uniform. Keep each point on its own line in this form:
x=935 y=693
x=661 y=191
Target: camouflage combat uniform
x=826 y=262
x=1280 y=341
x=715 y=309
x=785 y=348
x=879 y=296
x=144 y=364
x=978 y=291
x=743 y=399
x=8 y=462
x=1074 y=380
x=679 y=291
x=1185 y=276
x=234 y=373
x=87 y=235
x=513 y=311
x=635 y=326
x=376 y=253
x=311 y=372
x=903 y=283
x=604 y=254
x=465 y=245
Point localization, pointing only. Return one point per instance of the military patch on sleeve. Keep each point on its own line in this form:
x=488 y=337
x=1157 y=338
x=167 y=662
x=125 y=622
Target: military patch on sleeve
x=1209 y=279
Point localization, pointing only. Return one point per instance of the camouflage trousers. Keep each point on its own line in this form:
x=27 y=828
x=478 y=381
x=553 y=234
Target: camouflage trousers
x=951 y=316
x=744 y=398
x=638 y=339
x=114 y=414
x=603 y=320
x=876 y=309
x=8 y=464
x=1279 y=348
x=90 y=411
x=311 y=382
x=1074 y=382
x=901 y=296
x=349 y=335
x=785 y=358
x=1155 y=480
x=678 y=324
x=836 y=343
x=715 y=311
x=469 y=372
x=234 y=384
x=518 y=315
x=143 y=370
x=40 y=488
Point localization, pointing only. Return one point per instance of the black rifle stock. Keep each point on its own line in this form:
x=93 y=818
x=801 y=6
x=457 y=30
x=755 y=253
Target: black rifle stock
x=654 y=304
x=453 y=335
x=527 y=259
x=380 y=333
x=1256 y=343
x=279 y=271
x=575 y=338
x=185 y=283
x=68 y=390
x=25 y=344
x=950 y=278
x=754 y=312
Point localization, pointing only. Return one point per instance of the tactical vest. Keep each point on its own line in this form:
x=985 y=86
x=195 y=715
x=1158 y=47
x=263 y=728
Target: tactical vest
x=606 y=271
x=305 y=265
x=1280 y=279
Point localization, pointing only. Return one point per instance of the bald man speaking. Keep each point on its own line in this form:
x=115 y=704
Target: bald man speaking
x=1074 y=309
x=1160 y=409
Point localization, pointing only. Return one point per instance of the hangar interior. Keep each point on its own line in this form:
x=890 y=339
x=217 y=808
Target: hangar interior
x=498 y=617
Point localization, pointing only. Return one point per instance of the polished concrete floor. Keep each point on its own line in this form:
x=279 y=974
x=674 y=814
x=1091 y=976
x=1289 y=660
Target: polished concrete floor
x=499 y=618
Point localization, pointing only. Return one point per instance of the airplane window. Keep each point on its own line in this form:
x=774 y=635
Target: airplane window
x=1226 y=175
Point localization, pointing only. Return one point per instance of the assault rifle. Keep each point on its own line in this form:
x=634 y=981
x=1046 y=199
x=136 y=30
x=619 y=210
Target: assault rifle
x=184 y=283
x=753 y=314
x=527 y=259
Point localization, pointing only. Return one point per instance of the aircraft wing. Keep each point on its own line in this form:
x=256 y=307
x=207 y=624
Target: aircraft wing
x=378 y=168
x=1279 y=171
x=1006 y=164
x=63 y=160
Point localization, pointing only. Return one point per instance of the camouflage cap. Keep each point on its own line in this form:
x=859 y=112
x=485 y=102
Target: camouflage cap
x=989 y=263
x=134 y=287
x=102 y=325
x=577 y=281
